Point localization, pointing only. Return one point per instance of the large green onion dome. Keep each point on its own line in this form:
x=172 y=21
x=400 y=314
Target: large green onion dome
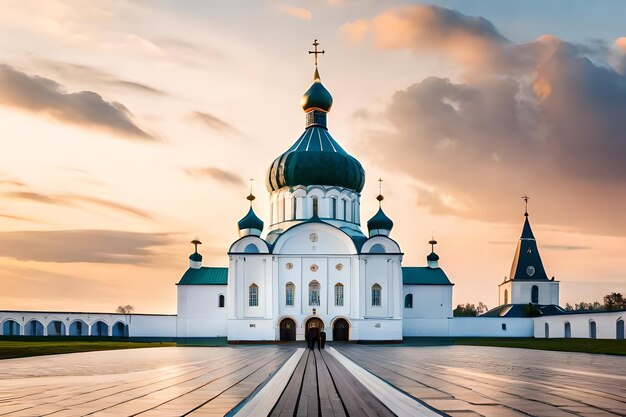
x=316 y=158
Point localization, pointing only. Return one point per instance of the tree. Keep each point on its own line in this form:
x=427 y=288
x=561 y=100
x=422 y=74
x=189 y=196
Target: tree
x=467 y=310
x=127 y=309
x=482 y=308
x=614 y=301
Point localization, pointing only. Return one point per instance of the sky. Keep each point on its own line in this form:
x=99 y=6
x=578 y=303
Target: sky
x=130 y=127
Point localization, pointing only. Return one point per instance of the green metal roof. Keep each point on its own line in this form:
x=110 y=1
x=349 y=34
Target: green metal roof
x=205 y=276
x=423 y=275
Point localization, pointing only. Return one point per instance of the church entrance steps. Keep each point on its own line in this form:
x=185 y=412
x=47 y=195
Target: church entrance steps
x=326 y=383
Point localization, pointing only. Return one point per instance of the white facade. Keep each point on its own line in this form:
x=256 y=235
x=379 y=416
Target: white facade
x=326 y=278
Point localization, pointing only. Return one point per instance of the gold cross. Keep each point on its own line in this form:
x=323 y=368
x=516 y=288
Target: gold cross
x=316 y=52
x=526 y=198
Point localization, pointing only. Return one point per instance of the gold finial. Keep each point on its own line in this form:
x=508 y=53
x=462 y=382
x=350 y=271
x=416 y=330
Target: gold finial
x=432 y=244
x=526 y=198
x=380 y=197
x=251 y=197
x=196 y=242
x=316 y=53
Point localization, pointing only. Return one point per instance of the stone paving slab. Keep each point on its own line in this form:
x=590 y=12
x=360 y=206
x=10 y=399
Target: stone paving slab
x=486 y=381
x=145 y=382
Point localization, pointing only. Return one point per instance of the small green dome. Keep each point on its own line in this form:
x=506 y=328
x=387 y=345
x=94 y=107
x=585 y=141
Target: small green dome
x=380 y=221
x=317 y=96
x=196 y=257
x=433 y=257
x=250 y=221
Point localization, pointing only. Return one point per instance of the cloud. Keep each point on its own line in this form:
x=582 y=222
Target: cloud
x=91 y=75
x=550 y=247
x=215 y=123
x=85 y=108
x=355 y=31
x=538 y=118
x=72 y=200
x=293 y=11
x=93 y=246
x=215 y=174
x=19 y=218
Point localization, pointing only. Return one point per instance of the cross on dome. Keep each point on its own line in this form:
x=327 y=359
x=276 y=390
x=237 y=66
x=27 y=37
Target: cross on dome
x=196 y=242
x=526 y=198
x=315 y=52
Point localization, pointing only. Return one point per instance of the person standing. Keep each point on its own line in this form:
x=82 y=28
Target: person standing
x=322 y=339
x=313 y=336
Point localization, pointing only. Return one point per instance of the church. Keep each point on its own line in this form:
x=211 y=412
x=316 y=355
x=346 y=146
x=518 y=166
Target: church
x=312 y=265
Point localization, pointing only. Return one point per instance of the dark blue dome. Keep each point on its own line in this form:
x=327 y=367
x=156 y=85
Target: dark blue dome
x=433 y=257
x=315 y=159
x=196 y=257
x=250 y=221
x=380 y=221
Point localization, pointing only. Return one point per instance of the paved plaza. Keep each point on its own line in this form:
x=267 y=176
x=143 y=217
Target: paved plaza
x=473 y=381
x=457 y=380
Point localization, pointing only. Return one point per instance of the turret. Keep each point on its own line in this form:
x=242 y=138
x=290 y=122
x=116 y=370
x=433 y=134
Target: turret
x=432 y=258
x=380 y=224
x=250 y=224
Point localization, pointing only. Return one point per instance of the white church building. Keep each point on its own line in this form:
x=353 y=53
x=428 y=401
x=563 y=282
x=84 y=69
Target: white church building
x=312 y=265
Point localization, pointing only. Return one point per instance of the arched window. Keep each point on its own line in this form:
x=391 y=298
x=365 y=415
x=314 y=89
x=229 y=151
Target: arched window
x=251 y=248
x=619 y=329
x=408 y=301
x=345 y=210
x=339 y=295
x=547 y=330
x=315 y=206
x=220 y=300
x=253 y=296
x=376 y=291
x=314 y=293
x=377 y=248
x=333 y=208
x=568 y=330
x=592 y=329
x=534 y=295
x=290 y=290
x=506 y=296
x=294 y=214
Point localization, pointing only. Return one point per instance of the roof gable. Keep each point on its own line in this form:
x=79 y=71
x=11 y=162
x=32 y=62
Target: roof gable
x=205 y=276
x=423 y=275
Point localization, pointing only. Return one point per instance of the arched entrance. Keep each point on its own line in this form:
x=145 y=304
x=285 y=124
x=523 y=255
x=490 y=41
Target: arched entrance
x=119 y=330
x=341 y=330
x=314 y=322
x=287 y=330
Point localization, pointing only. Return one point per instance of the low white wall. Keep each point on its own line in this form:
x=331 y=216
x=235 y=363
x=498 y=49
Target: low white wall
x=426 y=327
x=139 y=325
x=606 y=323
x=152 y=326
x=491 y=327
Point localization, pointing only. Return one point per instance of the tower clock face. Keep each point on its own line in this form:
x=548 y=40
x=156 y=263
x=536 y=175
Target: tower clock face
x=530 y=271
